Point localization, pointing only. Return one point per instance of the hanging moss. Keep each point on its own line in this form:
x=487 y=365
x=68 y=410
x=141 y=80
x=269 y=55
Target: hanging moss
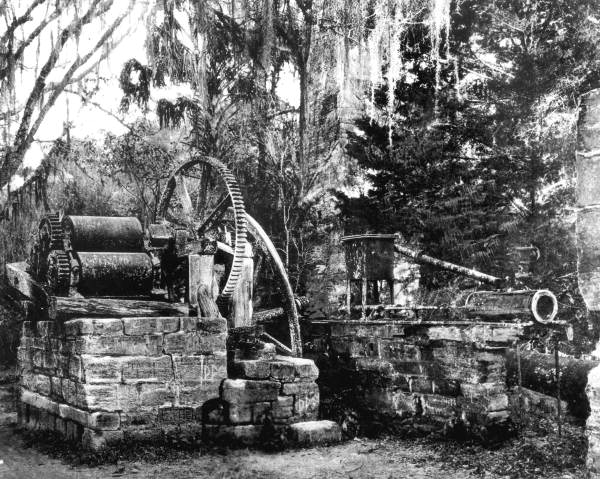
x=168 y=55
x=158 y=79
x=170 y=115
x=138 y=92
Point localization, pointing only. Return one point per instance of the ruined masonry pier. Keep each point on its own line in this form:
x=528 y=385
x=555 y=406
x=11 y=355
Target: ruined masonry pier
x=124 y=339
x=96 y=379
x=101 y=380
x=441 y=373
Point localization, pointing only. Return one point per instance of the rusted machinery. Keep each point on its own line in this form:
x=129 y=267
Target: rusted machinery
x=374 y=259
x=92 y=256
x=197 y=254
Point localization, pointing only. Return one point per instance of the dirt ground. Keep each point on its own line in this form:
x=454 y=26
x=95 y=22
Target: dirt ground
x=364 y=458
x=355 y=459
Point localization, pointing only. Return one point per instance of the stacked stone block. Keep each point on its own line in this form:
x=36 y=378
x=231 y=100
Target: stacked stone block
x=96 y=380
x=276 y=392
x=444 y=373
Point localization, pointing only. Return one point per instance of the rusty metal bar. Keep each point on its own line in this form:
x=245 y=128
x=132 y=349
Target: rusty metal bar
x=278 y=344
x=419 y=257
x=267 y=315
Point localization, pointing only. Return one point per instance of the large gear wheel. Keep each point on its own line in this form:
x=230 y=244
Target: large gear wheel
x=187 y=201
x=51 y=232
x=50 y=237
x=58 y=275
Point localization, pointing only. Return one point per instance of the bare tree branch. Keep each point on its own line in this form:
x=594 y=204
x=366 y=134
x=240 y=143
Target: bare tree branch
x=24 y=136
x=18 y=21
x=104 y=55
x=99 y=107
x=71 y=71
x=33 y=35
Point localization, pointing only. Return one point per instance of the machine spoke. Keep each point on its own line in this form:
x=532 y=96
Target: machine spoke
x=183 y=195
x=208 y=186
x=212 y=200
x=215 y=215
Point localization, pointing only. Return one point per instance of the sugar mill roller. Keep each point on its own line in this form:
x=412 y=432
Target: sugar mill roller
x=197 y=253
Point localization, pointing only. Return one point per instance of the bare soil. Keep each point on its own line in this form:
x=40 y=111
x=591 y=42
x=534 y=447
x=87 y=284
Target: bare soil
x=534 y=454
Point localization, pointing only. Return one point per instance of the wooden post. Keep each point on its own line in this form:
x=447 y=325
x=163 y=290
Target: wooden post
x=363 y=298
x=241 y=314
x=200 y=273
x=348 y=296
x=363 y=289
x=207 y=306
x=557 y=379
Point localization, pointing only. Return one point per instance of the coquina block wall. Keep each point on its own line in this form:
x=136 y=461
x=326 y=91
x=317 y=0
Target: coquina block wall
x=439 y=372
x=97 y=381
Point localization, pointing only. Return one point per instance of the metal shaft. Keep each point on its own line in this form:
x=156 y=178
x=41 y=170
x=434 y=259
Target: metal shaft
x=471 y=273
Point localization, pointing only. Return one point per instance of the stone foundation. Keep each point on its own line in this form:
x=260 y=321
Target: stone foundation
x=99 y=380
x=445 y=373
x=264 y=398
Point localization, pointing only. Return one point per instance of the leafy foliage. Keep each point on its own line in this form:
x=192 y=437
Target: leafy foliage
x=482 y=162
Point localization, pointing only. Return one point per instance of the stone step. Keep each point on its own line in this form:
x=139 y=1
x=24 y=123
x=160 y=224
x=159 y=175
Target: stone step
x=281 y=368
x=314 y=433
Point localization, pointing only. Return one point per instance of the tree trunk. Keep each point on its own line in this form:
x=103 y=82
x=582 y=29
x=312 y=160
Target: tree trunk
x=302 y=71
x=588 y=200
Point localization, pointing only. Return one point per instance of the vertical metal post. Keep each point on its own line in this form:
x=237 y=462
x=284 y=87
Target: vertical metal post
x=363 y=292
x=557 y=379
x=364 y=298
x=519 y=378
x=348 y=297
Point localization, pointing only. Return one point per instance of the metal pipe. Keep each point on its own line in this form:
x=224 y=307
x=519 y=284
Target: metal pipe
x=419 y=257
x=541 y=304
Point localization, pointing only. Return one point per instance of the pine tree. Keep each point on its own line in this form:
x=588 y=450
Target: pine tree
x=480 y=159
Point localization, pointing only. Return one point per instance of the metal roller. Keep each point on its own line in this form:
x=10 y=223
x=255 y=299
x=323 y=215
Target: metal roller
x=540 y=304
x=114 y=274
x=103 y=233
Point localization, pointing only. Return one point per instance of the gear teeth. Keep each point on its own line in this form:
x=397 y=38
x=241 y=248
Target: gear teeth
x=239 y=215
x=50 y=237
x=58 y=272
x=52 y=224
